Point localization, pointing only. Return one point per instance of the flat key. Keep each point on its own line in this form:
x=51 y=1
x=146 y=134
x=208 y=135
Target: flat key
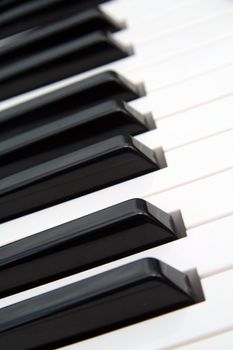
x=95 y=239
x=116 y=298
x=75 y=174
x=10 y=4
x=19 y=16
x=67 y=100
x=57 y=33
x=68 y=134
x=58 y=63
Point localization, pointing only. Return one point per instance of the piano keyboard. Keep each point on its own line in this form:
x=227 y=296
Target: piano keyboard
x=116 y=174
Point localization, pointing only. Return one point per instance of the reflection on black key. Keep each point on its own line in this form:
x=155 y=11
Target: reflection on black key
x=20 y=15
x=75 y=174
x=119 y=297
x=57 y=63
x=109 y=234
x=57 y=33
x=10 y=4
x=65 y=101
x=69 y=134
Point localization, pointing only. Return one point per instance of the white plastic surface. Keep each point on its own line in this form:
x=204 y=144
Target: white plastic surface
x=181 y=39
x=190 y=13
x=189 y=93
x=134 y=12
x=220 y=341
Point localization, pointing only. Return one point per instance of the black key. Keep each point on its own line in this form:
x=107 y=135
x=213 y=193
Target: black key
x=95 y=239
x=57 y=33
x=20 y=15
x=143 y=289
x=65 y=101
x=11 y=4
x=57 y=63
x=71 y=133
x=75 y=174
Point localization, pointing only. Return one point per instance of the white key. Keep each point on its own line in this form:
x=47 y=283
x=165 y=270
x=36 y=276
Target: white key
x=178 y=43
x=190 y=13
x=185 y=325
x=134 y=12
x=186 y=65
x=195 y=124
x=220 y=341
x=200 y=201
x=190 y=126
x=181 y=39
x=181 y=67
x=188 y=94
x=146 y=66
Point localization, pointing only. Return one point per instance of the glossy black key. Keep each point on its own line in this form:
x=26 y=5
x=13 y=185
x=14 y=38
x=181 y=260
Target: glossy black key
x=18 y=16
x=75 y=174
x=57 y=33
x=60 y=62
x=69 y=134
x=6 y=5
x=65 y=101
x=143 y=289
x=95 y=239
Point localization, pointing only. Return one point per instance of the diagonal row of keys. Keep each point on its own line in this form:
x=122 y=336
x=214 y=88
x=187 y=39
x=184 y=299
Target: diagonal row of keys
x=17 y=16
x=63 y=145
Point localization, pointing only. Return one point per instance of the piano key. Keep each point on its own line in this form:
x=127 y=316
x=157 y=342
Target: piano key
x=190 y=93
x=216 y=342
x=21 y=149
x=189 y=324
x=192 y=125
x=170 y=119
x=191 y=192
x=212 y=256
x=182 y=39
x=67 y=29
x=203 y=248
x=156 y=73
x=57 y=63
x=95 y=239
x=177 y=49
x=226 y=56
x=30 y=15
x=193 y=213
x=190 y=13
x=135 y=13
x=194 y=161
x=172 y=132
x=213 y=29
x=193 y=199
x=141 y=67
x=70 y=99
x=179 y=67
x=9 y=4
x=86 y=170
x=64 y=315
x=180 y=131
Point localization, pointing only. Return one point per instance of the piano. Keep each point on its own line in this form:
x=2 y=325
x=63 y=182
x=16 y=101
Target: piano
x=116 y=175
